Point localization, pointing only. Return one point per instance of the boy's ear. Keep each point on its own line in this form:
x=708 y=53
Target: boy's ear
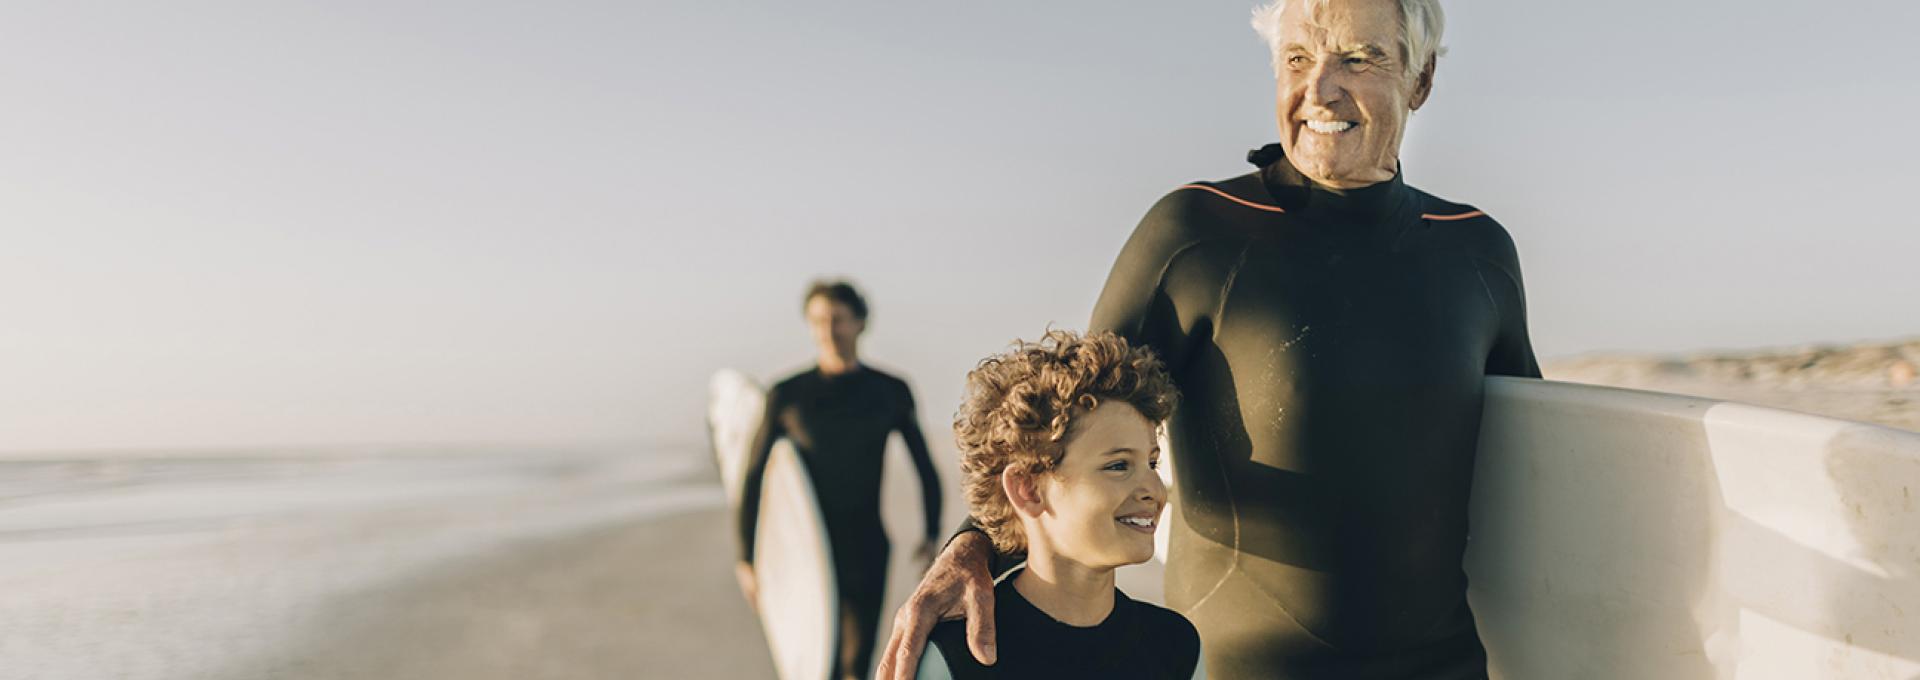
x=1023 y=491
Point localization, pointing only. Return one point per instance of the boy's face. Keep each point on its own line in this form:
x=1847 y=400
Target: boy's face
x=1102 y=501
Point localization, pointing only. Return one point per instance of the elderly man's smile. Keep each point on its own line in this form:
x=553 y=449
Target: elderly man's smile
x=1331 y=127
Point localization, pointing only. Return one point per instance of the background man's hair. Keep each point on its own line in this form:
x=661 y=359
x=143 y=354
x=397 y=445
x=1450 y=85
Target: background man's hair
x=837 y=291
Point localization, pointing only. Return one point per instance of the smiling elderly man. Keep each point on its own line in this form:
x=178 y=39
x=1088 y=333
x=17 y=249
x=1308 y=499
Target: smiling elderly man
x=1330 y=327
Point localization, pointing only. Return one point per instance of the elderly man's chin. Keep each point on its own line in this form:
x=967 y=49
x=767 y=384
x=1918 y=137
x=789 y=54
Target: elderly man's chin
x=1326 y=162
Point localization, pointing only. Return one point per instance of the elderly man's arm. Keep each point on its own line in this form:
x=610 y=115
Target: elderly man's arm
x=1135 y=303
x=1512 y=352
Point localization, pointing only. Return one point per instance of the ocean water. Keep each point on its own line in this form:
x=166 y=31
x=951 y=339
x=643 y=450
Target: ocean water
x=180 y=566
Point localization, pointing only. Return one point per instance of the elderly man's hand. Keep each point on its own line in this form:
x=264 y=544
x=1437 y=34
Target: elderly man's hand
x=957 y=586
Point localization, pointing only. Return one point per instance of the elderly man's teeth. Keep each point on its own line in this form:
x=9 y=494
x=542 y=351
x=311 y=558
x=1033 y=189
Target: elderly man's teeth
x=1328 y=127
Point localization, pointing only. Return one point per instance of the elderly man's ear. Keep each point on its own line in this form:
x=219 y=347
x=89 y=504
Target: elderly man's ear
x=1423 y=86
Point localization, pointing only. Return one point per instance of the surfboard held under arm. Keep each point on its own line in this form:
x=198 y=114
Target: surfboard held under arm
x=793 y=563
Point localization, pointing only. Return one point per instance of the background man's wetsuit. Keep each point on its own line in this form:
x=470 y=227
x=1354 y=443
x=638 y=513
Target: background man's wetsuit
x=1330 y=347
x=839 y=425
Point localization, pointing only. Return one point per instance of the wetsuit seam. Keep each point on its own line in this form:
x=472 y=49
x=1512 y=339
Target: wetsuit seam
x=1480 y=260
x=1226 y=287
x=1452 y=218
x=1236 y=199
x=1499 y=314
x=1282 y=606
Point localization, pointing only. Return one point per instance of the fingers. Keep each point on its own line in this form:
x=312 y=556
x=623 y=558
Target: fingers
x=980 y=633
x=908 y=642
x=885 y=672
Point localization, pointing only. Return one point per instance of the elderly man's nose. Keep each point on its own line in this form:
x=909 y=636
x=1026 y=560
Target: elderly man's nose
x=1323 y=84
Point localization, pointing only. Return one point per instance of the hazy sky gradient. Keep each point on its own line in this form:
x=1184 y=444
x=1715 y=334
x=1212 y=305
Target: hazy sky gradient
x=236 y=224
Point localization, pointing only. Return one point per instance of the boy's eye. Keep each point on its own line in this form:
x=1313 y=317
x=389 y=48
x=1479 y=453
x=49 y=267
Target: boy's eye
x=1117 y=466
x=1153 y=464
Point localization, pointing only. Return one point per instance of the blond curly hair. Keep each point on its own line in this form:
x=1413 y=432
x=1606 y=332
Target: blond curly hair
x=1020 y=407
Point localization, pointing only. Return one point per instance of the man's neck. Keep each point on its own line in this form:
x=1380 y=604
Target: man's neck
x=834 y=363
x=1072 y=593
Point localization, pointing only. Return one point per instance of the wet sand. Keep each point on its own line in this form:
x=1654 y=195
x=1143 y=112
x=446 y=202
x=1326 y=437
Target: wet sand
x=637 y=601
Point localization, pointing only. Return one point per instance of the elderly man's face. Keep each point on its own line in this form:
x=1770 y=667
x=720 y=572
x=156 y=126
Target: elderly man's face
x=1344 y=94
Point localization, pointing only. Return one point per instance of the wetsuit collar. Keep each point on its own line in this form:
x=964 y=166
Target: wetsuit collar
x=857 y=368
x=1383 y=204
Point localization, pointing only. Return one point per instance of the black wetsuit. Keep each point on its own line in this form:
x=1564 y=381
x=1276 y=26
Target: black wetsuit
x=839 y=425
x=1330 y=347
x=1138 y=640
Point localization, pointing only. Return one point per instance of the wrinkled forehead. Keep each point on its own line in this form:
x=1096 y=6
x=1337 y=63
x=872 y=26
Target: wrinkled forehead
x=1342 y=25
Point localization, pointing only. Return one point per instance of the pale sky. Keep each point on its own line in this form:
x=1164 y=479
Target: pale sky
x=237 y=224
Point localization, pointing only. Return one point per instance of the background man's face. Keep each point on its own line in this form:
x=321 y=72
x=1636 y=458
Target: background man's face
x=1343 y=90
x=833 y=325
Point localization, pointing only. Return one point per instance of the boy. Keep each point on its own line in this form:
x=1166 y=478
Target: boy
x=1057 y=442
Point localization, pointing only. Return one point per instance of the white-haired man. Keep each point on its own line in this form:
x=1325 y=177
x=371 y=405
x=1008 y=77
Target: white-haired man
x=1330 y=327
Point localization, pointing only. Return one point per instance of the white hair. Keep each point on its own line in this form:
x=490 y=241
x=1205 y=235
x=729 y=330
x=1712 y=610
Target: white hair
x=1421 y=23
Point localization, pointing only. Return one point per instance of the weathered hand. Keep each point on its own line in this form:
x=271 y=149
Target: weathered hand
x=749 y=587
x=957 y=586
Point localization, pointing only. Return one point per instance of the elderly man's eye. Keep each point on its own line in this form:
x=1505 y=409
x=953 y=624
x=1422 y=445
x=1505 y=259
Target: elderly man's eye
x=1298 y=61
x=1358 y=64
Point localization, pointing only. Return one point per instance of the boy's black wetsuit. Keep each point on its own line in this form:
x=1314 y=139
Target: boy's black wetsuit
x=1330 y=348
x=1138 y=640
x=839 y=425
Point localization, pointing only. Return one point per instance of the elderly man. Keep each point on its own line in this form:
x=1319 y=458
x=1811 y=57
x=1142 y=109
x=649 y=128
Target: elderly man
x=1330 y=327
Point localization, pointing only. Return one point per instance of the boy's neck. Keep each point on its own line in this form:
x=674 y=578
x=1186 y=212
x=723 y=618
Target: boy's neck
x=1072 y=593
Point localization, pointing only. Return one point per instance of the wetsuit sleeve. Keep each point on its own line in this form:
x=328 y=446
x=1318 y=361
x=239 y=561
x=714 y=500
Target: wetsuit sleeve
x=1134 y=303
x=1512 y=352
x=756 y=473
x=909 y=427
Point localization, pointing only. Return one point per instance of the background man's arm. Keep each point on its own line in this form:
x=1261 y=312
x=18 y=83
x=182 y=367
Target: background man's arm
x=756 y=474
x=909 y=427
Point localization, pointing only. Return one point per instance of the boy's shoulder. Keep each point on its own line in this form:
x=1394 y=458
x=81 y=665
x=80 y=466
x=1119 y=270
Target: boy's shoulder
x=1178 y=642
x=1153 y=641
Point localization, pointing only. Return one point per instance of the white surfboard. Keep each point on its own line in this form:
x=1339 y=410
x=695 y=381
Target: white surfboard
x=792 y=561
x=1627 y=534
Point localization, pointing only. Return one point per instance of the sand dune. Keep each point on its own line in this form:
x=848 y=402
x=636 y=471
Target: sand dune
x=1870 y=382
